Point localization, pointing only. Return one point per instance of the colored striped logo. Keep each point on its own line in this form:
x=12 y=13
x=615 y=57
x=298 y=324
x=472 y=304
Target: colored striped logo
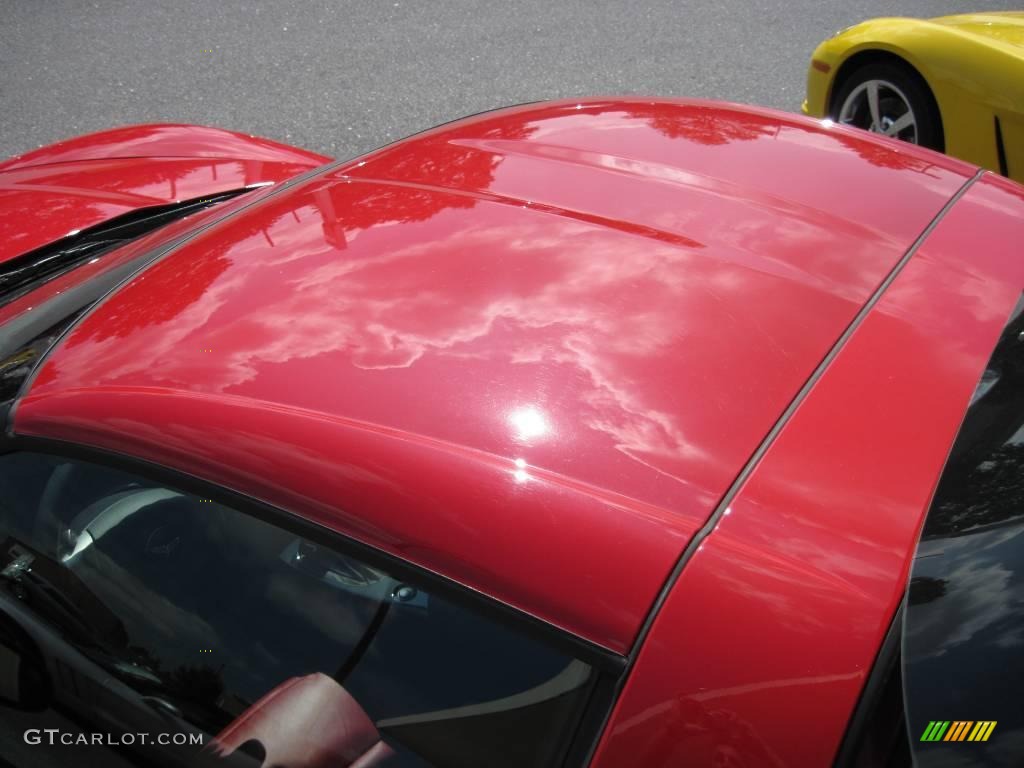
x=958 y=730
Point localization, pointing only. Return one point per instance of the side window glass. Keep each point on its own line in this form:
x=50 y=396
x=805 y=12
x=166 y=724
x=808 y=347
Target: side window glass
x=163 y=628
x=965 y=610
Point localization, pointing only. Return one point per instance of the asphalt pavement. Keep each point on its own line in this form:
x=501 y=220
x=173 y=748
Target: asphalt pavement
x=344 y=77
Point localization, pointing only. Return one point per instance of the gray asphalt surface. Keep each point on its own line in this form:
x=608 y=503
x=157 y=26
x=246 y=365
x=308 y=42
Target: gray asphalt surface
x=344 y=77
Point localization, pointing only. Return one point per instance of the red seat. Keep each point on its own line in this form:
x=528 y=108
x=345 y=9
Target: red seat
x=306 y=722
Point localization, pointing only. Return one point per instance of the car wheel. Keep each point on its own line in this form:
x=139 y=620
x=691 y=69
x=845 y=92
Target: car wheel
x=891 y=99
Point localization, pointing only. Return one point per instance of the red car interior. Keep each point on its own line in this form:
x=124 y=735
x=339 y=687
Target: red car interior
x=306 y=722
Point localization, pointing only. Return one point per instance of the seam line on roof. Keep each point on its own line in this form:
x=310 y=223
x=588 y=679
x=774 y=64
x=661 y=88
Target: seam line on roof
x=663 y=173
x=801 y=395
x=769 y=439
x=642 y=230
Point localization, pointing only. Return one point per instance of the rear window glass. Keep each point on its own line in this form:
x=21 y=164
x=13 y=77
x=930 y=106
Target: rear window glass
x=128 y=607
x=964 y=627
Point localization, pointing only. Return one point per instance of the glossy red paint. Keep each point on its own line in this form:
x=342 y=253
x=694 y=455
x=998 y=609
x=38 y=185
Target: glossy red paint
x=165 y=140
x=129 y=252
x=528 y=351
x=761 y=650
x=46 y=194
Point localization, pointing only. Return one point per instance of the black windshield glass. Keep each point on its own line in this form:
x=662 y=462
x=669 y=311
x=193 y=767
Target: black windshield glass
x=179 y=631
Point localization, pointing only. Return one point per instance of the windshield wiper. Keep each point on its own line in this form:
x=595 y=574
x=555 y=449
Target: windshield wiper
x=36 y=266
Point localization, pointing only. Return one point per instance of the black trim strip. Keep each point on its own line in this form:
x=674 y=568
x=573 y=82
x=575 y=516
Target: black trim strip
x=886 y=662
x=769 y=439
x=1004 y=168
x=603 y=693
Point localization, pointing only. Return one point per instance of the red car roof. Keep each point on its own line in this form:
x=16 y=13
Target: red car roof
x=528 y=351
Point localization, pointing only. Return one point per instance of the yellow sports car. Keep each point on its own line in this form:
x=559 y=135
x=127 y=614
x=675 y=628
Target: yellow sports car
x=955 y=84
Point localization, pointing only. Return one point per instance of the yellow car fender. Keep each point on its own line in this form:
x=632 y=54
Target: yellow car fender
x=973 y=79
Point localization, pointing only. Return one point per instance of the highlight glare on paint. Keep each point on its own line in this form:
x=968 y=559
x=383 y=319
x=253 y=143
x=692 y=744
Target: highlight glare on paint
x=528 y=423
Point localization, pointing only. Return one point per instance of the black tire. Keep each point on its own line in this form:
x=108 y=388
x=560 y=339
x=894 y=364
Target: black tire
x=912 y=86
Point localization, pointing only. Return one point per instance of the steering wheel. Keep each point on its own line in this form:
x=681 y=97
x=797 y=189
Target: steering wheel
x=47 y=525
x=107 y=514
x=71 y=538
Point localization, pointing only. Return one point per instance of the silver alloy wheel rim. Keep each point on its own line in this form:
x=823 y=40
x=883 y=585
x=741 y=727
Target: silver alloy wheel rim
x=880 y=107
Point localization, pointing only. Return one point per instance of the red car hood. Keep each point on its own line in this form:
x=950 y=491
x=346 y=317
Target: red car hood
x=76 y=184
